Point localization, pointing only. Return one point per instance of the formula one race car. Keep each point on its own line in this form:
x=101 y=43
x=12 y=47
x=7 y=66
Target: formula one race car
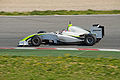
x=71 y=35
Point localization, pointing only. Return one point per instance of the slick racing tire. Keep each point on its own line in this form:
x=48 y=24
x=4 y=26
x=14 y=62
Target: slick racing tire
x=36 y=41
x=89 y=40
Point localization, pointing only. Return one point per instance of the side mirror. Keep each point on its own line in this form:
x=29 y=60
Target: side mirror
x=41 y=32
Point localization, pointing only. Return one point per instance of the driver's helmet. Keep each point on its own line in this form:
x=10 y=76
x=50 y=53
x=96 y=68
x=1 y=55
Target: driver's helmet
x=69 y=25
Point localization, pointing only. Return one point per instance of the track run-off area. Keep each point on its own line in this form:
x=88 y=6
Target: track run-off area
x=13 y=28
x=64 y=62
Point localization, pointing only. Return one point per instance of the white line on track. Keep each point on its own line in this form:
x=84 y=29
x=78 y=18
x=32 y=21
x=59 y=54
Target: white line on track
x=24 y=48
x=82 y=49
x=91 y=15
x=67 y=49
x=109 y=49
x=65 y=15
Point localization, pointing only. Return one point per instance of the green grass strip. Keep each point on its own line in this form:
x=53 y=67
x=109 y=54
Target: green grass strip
x=61 y=12
x=59 y=65
x=90 y=54
x=58 y=68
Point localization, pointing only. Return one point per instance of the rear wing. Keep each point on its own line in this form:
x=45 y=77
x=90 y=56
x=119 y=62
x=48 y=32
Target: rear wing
x=98 y=30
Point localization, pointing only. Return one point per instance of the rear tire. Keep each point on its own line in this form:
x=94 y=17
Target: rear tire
x=36 y=41
x=89 y=40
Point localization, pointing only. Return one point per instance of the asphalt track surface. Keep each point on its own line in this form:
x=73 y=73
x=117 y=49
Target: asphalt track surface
x=13 y=28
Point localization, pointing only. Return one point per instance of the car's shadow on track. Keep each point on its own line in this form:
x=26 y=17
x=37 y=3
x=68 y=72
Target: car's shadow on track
x=66 y=44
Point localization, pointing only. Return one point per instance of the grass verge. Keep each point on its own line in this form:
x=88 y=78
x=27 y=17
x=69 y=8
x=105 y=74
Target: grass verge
x=61 y=12
x=27 y=52
x=59 y=65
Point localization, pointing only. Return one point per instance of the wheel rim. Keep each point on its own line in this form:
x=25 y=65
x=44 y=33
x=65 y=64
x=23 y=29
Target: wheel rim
x=90 y=40
x=36 y=41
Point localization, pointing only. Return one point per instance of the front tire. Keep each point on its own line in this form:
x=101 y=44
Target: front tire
x=90 y=40
x=36 y=41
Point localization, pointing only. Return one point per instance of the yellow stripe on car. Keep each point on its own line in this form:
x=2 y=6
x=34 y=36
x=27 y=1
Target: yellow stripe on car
x=30 y=36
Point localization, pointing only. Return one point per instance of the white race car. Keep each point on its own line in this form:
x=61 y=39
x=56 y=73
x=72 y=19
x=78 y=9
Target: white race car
x=71 y=35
